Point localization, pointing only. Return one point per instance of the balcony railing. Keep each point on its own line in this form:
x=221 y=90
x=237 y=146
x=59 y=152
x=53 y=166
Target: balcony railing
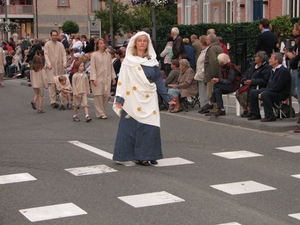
x=17 y=9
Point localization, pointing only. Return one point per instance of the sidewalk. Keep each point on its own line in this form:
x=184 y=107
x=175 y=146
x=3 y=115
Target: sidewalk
x=286 y=124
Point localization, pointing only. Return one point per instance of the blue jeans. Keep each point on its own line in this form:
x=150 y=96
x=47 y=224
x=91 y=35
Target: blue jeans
x=218 y=90
x=11 y=70
x=268 y=98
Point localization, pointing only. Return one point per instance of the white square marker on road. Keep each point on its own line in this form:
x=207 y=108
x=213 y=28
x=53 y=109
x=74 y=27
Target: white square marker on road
x=172 y=162
x=16 y=178
x=234 y=223
x=293 y=149
x=52 y=212
x=89 y=170
x=295 y=215
x=296 y=175
x=237 y=154
x=244 y=187
x=150 y=199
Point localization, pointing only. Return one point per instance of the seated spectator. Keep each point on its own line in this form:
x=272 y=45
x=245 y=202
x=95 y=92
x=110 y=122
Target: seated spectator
x=77 y=43
x=278 y=89
x=186 y=86
x=257 y=74
x=90 y=46
x=24 y=65
x=229 y=83
x=173 y=75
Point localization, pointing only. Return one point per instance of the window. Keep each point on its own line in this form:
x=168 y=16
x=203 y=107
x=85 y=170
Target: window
x=95 y=6
x=63 y=2
x=187 y=12
x=229 y=11
x=205 y=12
x=293 y=8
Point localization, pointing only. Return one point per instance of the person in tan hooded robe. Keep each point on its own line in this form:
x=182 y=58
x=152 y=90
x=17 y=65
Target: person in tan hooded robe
x=56 y=62
x=102 y=75
x=2 y=64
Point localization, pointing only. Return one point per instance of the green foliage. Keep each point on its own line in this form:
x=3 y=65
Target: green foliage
x=120 y=18
x=139 y=17
x=282 y=27
x=70 y=27
x=166 y=15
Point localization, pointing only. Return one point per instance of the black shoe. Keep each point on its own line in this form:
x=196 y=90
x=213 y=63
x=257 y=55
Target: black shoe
x=268 y=119
x=254 y=117
x=144 y=163
x=298 y=120
x=244 y=114
x=153 y=162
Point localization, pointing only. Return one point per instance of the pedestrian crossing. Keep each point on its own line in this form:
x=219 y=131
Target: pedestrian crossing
x=139 y=200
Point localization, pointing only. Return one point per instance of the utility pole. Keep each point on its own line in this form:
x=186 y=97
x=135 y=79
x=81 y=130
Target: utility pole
x=111 y=22
x=6 y=33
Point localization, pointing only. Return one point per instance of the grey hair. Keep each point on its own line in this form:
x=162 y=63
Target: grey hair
x=262 y=55
x=278 y=56
x=184 y=62
x=175 y=30
x=212 y=37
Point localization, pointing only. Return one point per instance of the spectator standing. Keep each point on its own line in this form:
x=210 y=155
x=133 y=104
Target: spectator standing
x=294 y=64
x=266 y=40
x=200 y=73
x=166 y=55
x=212 y=68
x=178 y=46
x=56 y=62
x=64 y=40
x=190 y=52
x=196 y=45
x=102 y=76
x=220 y=39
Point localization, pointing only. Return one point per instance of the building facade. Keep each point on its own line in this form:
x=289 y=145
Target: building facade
x=234 y=11
x=36 y=18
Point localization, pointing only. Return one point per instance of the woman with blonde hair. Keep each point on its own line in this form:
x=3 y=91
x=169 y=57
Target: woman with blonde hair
x=102 y=75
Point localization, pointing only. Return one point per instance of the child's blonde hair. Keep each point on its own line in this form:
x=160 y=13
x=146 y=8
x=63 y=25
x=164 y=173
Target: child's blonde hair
x=61 y=78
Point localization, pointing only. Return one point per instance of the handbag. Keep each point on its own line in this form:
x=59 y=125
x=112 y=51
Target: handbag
x=243 y=89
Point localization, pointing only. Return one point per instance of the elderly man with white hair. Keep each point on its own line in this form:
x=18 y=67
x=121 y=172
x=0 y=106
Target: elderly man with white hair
x=178 y=45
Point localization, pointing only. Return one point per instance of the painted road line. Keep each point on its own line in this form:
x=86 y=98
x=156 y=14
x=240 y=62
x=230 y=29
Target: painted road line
x=52 y=212
x=92 y=149
x=150 y=199
x=237 y=154
x=90 y=170
x=16 y=178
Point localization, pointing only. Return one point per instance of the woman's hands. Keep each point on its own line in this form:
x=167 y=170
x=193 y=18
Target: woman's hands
x=172 y=102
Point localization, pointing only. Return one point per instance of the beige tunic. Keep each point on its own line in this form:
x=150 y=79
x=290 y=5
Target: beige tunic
x=38 y=79
x=80 y=84
x=2 y=61
x=103 y=72
x=55 y=56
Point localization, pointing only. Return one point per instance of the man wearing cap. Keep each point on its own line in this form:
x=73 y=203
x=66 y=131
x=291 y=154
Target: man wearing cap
x=56 y=62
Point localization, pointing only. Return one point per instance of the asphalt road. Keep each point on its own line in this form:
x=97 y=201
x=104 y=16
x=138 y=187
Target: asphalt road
x=41 y=146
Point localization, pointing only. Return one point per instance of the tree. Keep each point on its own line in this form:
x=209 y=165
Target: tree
x=70 y=27
x=120 y=20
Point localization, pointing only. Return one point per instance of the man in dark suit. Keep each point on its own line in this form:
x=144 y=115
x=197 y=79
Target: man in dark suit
x=266 y=41
x=278 y=89
x=63 y=40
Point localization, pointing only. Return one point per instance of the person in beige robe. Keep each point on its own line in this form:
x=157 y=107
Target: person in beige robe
x=56 y=62
x=2 y=64
x=102 y=75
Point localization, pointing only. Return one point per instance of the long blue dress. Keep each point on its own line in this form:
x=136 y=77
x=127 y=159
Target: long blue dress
x=135 y=140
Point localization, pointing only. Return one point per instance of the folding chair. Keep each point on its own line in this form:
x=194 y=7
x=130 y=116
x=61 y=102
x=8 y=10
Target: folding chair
x=186 y=103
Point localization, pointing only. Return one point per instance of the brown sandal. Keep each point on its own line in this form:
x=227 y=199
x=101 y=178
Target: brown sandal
x=175 y=110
